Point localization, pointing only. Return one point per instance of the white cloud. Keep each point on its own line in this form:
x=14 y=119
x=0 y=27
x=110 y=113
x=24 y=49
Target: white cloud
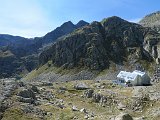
x=23 y=17
x=136 y=20
x=31 y=18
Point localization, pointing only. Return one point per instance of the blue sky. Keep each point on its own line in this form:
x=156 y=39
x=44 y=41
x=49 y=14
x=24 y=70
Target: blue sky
x=30 y=18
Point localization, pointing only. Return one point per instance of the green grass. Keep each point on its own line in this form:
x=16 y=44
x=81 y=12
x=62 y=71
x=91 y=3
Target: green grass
x=49 y=67
x=73 y=91
x=149 y=66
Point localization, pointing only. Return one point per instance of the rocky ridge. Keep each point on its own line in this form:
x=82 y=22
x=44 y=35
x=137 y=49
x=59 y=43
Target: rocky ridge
x=97 y=45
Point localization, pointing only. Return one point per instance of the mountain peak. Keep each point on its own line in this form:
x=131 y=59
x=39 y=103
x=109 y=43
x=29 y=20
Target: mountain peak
x=113 y=19
x=68 y=23
x=153 y=14
x=81 y=23
x=152 y=20
x=153 y=17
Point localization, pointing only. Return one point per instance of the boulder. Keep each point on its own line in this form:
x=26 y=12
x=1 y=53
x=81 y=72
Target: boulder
x=35 y=89
x=83 y=110
x=96 y=97
x=123 y=116
x=74 y=108
x=88 y=93
x=81 y=86
x=27 y=93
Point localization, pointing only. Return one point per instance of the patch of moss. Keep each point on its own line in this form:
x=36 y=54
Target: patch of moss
x=73 y=91
x=16 y=114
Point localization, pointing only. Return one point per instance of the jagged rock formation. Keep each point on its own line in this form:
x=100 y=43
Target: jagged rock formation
x=96 y=45
x=151 y=43
x=64 y=29
x=152 y=20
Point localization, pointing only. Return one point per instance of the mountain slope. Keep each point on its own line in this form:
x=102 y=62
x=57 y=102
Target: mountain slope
x=152 y=20
x=18 y=45
x=97 y=45
x=12 y=49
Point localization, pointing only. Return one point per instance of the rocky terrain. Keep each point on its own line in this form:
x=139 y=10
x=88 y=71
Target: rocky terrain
x=7 y=87
x=80 y=100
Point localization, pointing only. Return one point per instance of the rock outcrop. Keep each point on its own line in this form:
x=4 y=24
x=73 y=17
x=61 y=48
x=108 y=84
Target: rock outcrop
x=27 y=93
x=88 y=93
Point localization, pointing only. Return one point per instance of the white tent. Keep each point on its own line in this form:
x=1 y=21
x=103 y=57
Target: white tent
x=135 y=78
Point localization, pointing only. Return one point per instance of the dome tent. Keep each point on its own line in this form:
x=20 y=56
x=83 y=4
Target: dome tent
x=136 y=78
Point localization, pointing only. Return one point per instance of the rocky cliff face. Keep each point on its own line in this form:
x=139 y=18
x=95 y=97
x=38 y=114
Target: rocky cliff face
x=96 y=45
x=19 y=46
x=10 y=64
x=152 y=20
x=151 y=42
